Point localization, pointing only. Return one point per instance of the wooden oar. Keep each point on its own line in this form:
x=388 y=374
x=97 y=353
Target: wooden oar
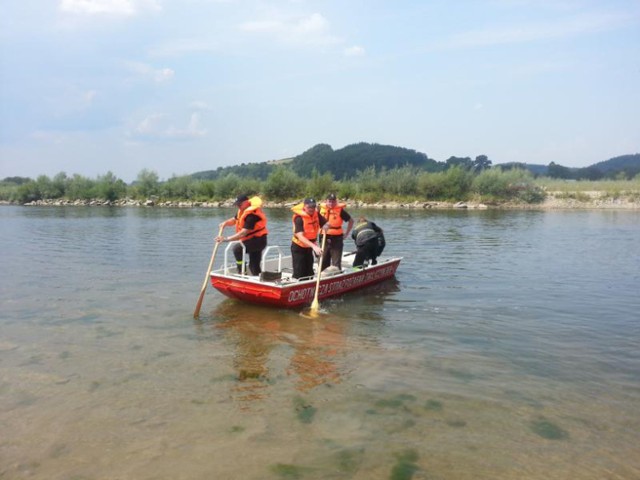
x=196 y=312
x=315 y=305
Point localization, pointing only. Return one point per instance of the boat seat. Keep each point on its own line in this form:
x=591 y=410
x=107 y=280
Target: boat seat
x=330 y=272
x=270 y=276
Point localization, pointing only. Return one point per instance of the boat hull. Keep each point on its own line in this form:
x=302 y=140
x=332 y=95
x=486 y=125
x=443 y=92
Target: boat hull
x=299 y=293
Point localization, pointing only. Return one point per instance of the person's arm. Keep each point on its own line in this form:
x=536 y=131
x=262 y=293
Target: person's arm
x=300 y=236
x=250 y=223
x=323 y=223
x=227 y=223
x=349 y=219
x=299 y=233
x=235 y=236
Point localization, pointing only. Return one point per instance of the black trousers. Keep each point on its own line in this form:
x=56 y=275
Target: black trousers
x=254 y=247
x=302 y=260
x=367 y=251
x=332 y=254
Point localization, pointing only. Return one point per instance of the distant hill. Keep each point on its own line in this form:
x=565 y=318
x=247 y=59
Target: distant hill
x=627 y=165
x=346 y=162
x=624 y=163
x=342 y=163
x=538 y=170
x=251 y=170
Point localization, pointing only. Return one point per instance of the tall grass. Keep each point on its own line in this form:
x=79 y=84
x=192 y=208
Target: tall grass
x=607 y=186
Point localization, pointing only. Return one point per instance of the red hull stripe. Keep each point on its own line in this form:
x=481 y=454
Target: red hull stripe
x=296 y=294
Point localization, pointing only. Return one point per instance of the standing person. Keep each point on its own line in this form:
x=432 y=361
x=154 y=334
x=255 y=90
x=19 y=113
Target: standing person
x=251 y=229
x=306 y=226
x=369 y=240
x=336 y=215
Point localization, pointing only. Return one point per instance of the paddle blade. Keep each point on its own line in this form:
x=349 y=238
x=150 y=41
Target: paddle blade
x=196 y=312
x=315 y=305
x=310 y=313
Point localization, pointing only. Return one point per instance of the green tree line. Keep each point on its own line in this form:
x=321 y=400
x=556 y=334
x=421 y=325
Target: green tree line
x=283 y=183
x=362 y=171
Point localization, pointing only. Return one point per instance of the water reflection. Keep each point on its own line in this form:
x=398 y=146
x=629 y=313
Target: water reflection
x=274 y=344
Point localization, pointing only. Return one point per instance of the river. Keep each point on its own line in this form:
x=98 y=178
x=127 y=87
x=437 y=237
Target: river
x=506 y=347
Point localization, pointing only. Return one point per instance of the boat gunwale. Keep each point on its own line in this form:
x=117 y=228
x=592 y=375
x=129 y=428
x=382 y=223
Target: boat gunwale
x=293 y=293
x=292 y=282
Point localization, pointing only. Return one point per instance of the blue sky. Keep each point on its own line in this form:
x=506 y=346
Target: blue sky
x=180 y=86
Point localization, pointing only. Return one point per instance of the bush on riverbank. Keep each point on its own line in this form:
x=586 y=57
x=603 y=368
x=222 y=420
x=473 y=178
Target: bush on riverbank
x=405 y=184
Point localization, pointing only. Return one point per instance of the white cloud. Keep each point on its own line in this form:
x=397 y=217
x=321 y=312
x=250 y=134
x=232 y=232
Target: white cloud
x=146 y=71
x=199 y=106
x=193 y=130
x=108 y=7
x=354 y=51
x=158 y=126
x=163 y=75
x=150 y=125
x=568 y=27
x=301 y=30
x=548 y=4
x=311 y=25
x=262 y=26
x=69 y=100
x=88 y=97
x=183 y=46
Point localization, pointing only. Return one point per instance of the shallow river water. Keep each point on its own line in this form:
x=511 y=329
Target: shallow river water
x=506 y=347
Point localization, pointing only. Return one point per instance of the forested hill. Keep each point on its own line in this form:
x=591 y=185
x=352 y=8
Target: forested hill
x=342 y=163
x=246 y=170
x=346 y=162
x=625 y=166
x=623 y=163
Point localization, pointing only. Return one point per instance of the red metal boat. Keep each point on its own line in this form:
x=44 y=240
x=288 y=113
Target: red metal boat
x=276 y=287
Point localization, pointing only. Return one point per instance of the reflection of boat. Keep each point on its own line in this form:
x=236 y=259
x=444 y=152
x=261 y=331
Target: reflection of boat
x=276 y=287
x=270 y=345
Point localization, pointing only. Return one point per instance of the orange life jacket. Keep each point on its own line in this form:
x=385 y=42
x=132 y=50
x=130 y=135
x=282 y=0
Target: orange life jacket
x=334 y=218
x=311 y=224
x=260 y=228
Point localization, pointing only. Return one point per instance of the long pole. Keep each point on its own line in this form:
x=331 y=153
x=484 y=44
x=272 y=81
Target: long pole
x=196 y=312
x=315 y=305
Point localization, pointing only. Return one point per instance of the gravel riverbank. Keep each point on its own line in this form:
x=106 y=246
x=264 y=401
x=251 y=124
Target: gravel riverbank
x=552 y=201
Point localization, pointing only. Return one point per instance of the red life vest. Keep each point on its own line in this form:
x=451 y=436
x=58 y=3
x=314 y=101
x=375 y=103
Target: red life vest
x=260 y=227
x=334 y=218
x=311 y=225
